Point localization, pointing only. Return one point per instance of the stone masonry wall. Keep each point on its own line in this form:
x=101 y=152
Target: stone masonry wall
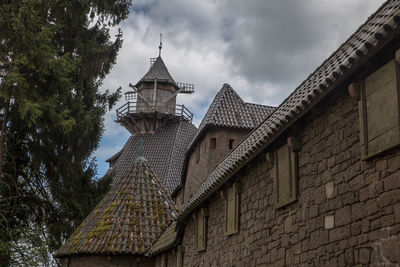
x=209 y=157
x=108 y=261
x=347 y=212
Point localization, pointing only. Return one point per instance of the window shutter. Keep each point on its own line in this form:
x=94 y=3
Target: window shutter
x=201 y=231
x=164 y=260
x=232 y=210
x=379 y=111
x=285 y=176
x=179 y=256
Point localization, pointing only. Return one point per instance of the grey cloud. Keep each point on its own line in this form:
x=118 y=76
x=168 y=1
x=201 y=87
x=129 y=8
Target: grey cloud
x=277 y=41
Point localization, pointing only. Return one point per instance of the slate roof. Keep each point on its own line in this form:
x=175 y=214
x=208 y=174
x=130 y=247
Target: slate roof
x=166 y=240
x=229 y=110
x=127 y=220
x=158 y=70
x=336 y=68
x=164 y=150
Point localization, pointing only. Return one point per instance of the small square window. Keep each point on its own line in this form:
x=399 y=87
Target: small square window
x=231 y=141
x=213 y=142
x=197 y=153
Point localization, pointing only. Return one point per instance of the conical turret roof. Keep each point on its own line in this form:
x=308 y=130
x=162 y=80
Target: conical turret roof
x=229 y=110
x=127 y=220
x=158 y=70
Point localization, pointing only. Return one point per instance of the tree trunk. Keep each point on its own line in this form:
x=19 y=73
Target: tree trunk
x=3 y=137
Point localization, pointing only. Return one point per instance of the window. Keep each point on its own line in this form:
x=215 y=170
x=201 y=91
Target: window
x=164 y=260
x=285 y=174
x=197 y=152
x=202 y=229
x=232 y=210
x=179 y=256
x=213 y=142
x=231 y=143
x=379 y=110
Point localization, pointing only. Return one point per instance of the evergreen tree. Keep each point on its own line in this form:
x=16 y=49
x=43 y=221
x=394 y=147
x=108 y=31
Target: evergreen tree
x=54 y=55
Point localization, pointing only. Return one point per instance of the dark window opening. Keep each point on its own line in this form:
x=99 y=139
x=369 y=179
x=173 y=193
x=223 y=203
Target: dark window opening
x=231 y=141
x=213 y=142
x=198 y=153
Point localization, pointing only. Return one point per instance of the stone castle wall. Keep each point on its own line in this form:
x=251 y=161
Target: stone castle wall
x=347 y=212
x=198 y=171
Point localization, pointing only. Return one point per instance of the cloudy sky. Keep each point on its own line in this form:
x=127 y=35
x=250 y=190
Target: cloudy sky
x=263 y=48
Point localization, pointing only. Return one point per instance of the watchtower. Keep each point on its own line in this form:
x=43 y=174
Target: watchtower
x=152 y=101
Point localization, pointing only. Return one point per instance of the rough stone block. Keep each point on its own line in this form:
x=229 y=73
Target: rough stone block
x=390 y=250
x=329 y=222
x=364 y=256
x=392 y=182
x=339 y=233
x=343 y=216
x=396 y=210
x=288 y=224
x=329 y=189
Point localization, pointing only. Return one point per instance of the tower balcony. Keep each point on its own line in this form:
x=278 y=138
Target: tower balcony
x=135 y=107
x=140 y=117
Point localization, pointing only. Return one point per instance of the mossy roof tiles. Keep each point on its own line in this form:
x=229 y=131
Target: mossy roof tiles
x=127 y=220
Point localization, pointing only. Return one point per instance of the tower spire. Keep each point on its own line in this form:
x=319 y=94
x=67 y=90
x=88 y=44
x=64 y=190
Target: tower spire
x=160 y=47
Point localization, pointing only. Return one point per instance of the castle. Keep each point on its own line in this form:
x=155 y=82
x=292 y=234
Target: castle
x=314 y=181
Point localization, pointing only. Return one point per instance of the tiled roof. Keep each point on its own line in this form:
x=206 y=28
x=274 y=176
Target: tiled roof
x=229 y=110
x=166 y=240
x=164 y=150
x=158 y=70
x=337 y=66
x=127 y=220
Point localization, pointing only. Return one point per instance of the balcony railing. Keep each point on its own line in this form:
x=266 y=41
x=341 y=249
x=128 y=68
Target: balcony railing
x=132 y=107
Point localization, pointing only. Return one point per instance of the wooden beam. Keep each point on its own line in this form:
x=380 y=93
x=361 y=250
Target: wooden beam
x=354 y=91
x=397 y=56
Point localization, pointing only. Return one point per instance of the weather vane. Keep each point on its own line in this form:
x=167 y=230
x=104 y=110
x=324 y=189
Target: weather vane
x=159 y=54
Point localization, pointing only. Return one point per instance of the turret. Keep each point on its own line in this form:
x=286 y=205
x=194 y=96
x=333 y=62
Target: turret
x=152 y=101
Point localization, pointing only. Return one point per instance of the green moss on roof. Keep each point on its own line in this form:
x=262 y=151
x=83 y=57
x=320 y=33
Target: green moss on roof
x=127 y=220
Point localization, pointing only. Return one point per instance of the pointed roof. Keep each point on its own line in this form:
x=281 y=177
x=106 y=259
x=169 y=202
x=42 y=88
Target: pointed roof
x=229 y=110
x=157 y=70
x=127 y=220
x=164 y=150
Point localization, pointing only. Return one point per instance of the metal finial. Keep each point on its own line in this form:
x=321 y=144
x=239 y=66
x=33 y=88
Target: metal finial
x=160 y=47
